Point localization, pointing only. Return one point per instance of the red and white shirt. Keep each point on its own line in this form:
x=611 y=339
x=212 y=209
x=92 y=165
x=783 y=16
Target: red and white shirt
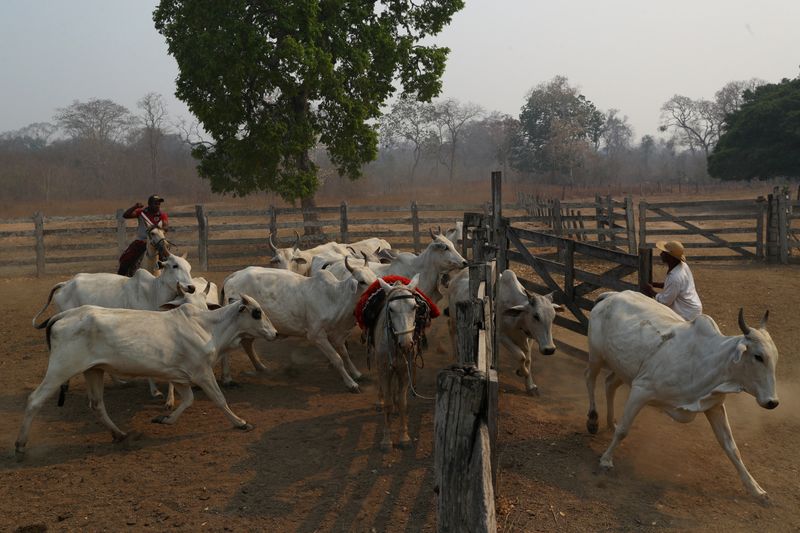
x=140 y=213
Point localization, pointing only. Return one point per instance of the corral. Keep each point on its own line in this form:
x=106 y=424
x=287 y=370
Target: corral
x=313 y=463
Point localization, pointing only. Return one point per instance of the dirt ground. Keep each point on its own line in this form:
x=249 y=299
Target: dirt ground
x=313 y=461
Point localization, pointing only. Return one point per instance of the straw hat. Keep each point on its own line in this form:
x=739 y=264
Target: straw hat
x=673 y=248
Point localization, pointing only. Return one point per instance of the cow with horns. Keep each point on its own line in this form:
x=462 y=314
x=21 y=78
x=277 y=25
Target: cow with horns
x=681 y=367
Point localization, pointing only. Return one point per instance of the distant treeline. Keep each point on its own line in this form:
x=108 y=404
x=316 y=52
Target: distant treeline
x=101 y=149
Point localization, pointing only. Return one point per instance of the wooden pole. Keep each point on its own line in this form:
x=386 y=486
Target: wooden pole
x=38 y=226
x=202 y=236
x=760 y=230
x=273 y=222
x=569 y=271
x=783 y=226
x=631 y=225
x=598 y=216
x=642 y=224
x=645 y=266
x=344 y=234
x=415 y=226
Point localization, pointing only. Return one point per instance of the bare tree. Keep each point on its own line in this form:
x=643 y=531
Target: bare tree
x=101 y=121
x=452 y=116
x=409 y=121
x=694 y=123
x=731 y=97
x=153 y=117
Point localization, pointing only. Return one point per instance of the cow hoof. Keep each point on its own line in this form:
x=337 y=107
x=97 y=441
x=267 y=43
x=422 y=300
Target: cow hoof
x=532 y=391
x=160 y=419
x=19 y=454
x=245 y=427
x=231 y=385
x=404 y=444
x=606 y=466
x=359 y=378
x=354 y=389
x=169 y=406
x=591 y=426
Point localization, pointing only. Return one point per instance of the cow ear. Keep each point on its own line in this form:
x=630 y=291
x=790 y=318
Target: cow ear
x=275 y=259
x=385 y=286
x=160 y=264
x=184 y=255
x=169 y=305
x=738 y=351
x=559 y=308
x=549 y=297
x=514 y=311
x=299 y=260
x=212 y=307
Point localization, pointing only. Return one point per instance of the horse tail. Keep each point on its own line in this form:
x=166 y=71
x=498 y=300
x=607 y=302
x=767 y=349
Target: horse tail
x=49 y=299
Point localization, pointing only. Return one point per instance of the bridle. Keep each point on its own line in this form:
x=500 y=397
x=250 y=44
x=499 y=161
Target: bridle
x=391 y=334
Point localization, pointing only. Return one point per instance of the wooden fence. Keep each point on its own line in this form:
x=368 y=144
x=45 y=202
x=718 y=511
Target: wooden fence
x=216 y=239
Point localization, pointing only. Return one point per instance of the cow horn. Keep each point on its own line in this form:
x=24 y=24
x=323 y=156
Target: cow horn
x=208 y=287
x=742 y=325
x=764 y=320
x=366 y=259
x=347 y=265
x=433 y=236
x=296 y=244
x=439 y=232
x=352 y=250
x=271 y=243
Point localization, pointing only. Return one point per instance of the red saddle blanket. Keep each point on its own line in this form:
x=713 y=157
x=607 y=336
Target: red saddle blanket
x=368 y=305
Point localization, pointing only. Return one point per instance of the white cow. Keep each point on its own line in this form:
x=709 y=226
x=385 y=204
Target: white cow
x=180 y=346
x=296 y=260
x=439 y=257
x=319 y=308
x=522 y=318
x=681 y=367
x=142 y=291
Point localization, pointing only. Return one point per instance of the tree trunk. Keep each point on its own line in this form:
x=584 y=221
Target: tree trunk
x=310 y=218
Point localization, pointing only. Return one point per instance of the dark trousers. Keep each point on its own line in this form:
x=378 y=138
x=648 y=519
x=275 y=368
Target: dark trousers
x=131 y=258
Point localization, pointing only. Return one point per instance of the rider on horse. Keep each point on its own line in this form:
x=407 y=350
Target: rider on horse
x=149 y=216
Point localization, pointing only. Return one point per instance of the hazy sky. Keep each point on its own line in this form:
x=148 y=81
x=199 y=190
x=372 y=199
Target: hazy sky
x=625 y=54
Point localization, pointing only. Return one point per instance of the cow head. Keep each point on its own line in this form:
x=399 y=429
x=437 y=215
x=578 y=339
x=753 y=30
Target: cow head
x=291 y=258
x=252 y=322
x=535 y=319
x=361 y=273
x=176 y=269
x=401 y=310
x=444 y=255
x=197 y=298
x=755 y=358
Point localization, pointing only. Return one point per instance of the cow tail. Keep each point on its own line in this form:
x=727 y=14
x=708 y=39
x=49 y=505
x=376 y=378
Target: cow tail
x=49 y=299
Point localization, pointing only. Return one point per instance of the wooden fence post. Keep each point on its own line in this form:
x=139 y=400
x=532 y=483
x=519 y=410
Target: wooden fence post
x=202 y=237
x=344 y=233
x=783 y=226
x=612 y=232
x=773 y=241
x=38 y=226
x=762 y=211
x=558 y=226
x=598 y=217
x=273 y=222
x=122 y=237
x=642 y=224
x=631 y=225
x=415 y=226
x=645 y=266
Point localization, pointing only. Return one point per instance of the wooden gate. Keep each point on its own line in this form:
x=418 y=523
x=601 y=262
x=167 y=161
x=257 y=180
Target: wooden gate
x=728 y=229
x=582 y=269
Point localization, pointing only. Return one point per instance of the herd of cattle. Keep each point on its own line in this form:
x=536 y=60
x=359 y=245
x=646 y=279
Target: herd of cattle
x=172 y=328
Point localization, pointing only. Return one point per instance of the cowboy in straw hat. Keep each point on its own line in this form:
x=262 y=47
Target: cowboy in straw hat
x=679 y=293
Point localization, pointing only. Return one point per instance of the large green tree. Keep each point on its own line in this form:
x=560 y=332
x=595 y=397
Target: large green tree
x=557 y=126
x=270 y=79
x=762 y=138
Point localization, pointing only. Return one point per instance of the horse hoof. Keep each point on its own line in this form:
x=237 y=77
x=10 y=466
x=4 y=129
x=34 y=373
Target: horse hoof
x=354 y=389
x=122 y=437
x=606 y=466
x=591 y=422
x=160 y=419
x=245 y=427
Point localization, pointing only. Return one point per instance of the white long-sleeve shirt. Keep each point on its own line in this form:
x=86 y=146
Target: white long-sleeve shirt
x=679 y=293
